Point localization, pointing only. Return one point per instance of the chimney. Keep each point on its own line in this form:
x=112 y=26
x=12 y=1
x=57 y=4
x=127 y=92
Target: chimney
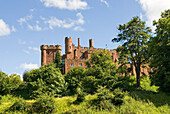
x=78 y=42
x=90 y=43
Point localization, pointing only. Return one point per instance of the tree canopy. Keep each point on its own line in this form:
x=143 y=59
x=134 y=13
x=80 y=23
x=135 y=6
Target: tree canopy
x=135 y=36
x=160 y=52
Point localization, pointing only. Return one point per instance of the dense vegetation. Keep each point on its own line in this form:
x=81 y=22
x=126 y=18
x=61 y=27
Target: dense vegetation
x=104 y=86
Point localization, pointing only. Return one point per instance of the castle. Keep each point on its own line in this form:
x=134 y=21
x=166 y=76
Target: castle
x=75 y=56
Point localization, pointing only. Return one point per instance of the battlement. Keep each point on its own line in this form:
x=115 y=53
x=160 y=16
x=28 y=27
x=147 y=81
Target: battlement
x=52 y=47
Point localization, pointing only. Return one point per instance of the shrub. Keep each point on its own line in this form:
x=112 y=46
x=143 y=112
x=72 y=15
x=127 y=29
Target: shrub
x=46 y=79
x=118 y=98
x=19 y=105
x=74 y=79
x=104 y=98
x=80 y=96
x=44 y=104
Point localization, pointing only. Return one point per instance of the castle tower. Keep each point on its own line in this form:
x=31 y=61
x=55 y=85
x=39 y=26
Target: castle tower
x=91 y=43
x=68 y=45
x=78 y=42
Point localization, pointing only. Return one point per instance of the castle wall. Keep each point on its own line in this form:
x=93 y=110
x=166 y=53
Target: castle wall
x=75 y=56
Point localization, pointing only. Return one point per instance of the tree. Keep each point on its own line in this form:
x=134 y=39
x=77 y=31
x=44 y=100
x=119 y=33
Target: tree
x=101 y=71
x=46 y=79
x=134 y=35
x=9 y=84
x=58 y=60
x=74 y=79
x=160 y=52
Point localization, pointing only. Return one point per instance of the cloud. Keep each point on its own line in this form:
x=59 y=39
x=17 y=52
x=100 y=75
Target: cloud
x=33 y=48
x=153 y=9
x=28 y=66
x=25 y=19
x=65 y=4
x=4 y=28
x=105 y=2
x=21 y=42
x=27 y=52
x=54 y=22
x=34 y=27
x=78 y=28
x=13 y=29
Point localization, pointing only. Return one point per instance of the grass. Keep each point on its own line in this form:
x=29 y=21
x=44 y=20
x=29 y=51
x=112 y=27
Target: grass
x=137 y=101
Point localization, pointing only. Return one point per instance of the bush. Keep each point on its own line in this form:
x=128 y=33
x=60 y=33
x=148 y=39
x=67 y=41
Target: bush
x=46 y=79
x=118 y=98
x=44 y=104
x=104 y=98
x=74 y=79
x=80 y=96
x=19 y=105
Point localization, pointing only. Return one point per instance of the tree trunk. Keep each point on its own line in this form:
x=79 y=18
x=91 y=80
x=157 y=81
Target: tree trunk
x=138 y=75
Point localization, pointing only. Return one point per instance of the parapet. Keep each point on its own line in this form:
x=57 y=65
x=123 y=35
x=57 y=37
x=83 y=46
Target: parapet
x=55 y=47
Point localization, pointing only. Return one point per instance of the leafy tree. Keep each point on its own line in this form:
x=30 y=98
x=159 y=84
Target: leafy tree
x=9 y=84
x=74 y=79
x=134 y=35
x=58 y=60
x=46 y=79
x=101 y=67
x=160 y=52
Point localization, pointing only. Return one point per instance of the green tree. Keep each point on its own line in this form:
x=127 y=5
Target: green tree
x=58 y=60
x=46 y=79
x=160 y=52
x=74 y=79
x=134 y=35
x=9 y=84
x=101 y=67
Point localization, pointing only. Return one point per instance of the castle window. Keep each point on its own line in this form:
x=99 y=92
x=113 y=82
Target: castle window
x=112 y=57
x=80 y=64
x=72 y=65
x=70 y=47
x=112 y=53
x=63 y=62
x=82 y=55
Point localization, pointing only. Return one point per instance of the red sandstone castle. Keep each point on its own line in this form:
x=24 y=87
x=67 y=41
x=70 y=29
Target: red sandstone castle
x=74 y=56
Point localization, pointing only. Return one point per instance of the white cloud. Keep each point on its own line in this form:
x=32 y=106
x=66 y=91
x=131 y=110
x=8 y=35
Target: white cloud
x=78 y=28
x=66 y=4
x=33 y=48
x=54 y=22
x=21 y=42
x=105 y=2
x=13 y=29
x=4 y=28
x=153 y=9
x=25 y=19
x=27 y=52
x=28 y=66
x=34 y=27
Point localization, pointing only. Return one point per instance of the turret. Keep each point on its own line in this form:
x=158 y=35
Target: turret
x=78 y=42
x=68 y=45
x=91 y=43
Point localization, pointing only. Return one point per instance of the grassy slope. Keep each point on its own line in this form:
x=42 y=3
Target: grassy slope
x=131 y=105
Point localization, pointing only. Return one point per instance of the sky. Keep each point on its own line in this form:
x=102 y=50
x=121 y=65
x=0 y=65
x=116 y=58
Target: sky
x=25 y=25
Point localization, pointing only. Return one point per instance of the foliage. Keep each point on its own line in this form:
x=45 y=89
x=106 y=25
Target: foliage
x=9 y=84
x=104 y=98
x=44 y=104
x=80 y=96
x=118 y=98
x=135 y=36
x=159 y=52
x=19 y=105
x=45 y=79
x=58 y=60
x=101 y=68
x=74 y=79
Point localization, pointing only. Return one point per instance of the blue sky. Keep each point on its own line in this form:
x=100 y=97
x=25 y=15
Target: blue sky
x=27 y=24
